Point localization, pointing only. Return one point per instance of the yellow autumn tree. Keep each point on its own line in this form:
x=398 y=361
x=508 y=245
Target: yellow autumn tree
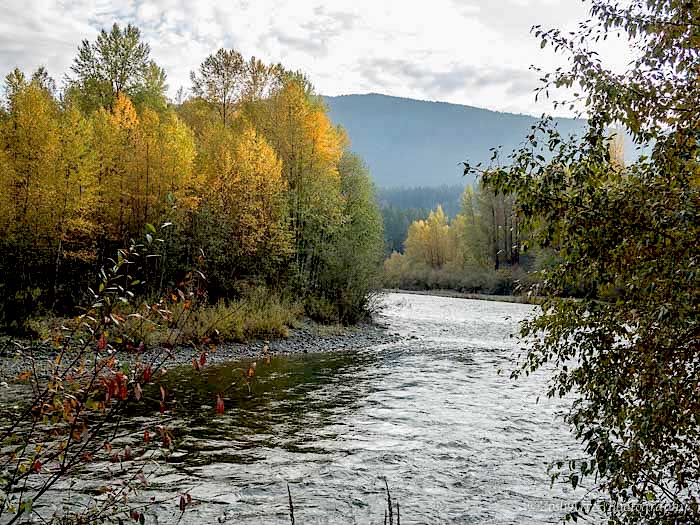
x=430 y=242
x=165 y=152
x=176 y=152
x=142 y=159
x=310 y=147
x=247 y=190
x=76 y=187
x=28 y=178
x=46 y=190
x=114 y=141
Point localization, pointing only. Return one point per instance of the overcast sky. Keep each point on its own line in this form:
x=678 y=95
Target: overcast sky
x=474 y=52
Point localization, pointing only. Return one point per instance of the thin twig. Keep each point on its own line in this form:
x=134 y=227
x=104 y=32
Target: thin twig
x=388 y=503
x=291 y=505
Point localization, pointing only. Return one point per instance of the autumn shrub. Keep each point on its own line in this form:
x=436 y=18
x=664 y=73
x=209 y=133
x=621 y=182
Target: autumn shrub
x=321 y=309
x=73 y=394
x=400 y=272
x=270 y=314
x=260 y=313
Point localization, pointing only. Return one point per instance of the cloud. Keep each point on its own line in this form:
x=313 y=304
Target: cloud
x=475 y=52
x=440 y=84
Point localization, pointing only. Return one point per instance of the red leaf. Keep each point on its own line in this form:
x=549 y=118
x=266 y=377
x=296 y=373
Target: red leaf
x=135 y=515
x=195 y=364
x=203 y=359
x=102 y=342
x=219 y=404
x=162 y=407
x=146 y=436
x=147 y=374
x=36 y=466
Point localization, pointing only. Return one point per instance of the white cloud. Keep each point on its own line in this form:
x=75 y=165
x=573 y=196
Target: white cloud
x=475 y=52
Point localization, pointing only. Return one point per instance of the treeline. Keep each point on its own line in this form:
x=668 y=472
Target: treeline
x=423 y=197
x=247 y=178
x=479 y=250
x=402 y=206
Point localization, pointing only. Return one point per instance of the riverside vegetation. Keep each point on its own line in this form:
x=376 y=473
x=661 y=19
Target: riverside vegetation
x=248 y=172
x=479 y=250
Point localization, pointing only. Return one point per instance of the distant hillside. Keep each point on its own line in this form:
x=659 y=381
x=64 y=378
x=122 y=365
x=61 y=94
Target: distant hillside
x=410 y=143
x=423 y=198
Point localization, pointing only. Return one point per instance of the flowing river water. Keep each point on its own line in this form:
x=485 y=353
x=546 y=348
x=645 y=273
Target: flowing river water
x=456 y=441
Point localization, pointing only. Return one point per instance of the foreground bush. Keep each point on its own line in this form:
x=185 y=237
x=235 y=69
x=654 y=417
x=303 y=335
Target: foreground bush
x=629 y=358
x=70 y=409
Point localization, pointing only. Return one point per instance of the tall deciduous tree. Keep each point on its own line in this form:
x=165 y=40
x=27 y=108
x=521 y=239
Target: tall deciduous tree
x=351 y=260
x=295 y=123
x=261 y=79
x=221 y=80
x=117 y=62
x=428 y=241
x=246 y=195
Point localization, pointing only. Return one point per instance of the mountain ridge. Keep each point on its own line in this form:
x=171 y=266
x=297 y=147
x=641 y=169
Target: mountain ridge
x=430 y=101
x=408 y=142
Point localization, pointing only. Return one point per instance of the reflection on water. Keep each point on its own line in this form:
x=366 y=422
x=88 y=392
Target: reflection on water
x=457 y=442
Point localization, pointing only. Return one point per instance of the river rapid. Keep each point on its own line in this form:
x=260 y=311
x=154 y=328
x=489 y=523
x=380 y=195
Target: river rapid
x=456 y=441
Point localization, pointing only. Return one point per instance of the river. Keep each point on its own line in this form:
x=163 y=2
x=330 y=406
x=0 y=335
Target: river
x=456 y=441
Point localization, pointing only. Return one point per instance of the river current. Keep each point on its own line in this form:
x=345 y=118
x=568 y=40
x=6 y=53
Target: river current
x=456 y=441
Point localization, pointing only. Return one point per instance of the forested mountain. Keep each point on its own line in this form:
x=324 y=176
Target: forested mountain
x=408 y=142
x=423 y=197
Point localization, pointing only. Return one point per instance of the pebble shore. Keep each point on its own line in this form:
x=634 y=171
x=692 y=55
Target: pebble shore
x=307 y=338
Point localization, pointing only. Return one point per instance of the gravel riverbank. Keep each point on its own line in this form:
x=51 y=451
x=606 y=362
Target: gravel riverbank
x=520 y=299
x=310 y=337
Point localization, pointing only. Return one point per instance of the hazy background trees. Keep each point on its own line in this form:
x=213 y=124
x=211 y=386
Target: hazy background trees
x=476 y=250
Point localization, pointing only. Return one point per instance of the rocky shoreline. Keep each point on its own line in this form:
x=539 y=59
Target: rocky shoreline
x=454 y=294
x=310 y=337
